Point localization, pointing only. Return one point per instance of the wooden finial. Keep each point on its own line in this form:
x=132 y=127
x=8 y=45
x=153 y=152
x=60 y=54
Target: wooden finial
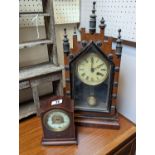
x=64 y=30
x=66 y=45
x=119 y=33
x=75 y=31
x=119 y=44
x=93 y=11
x=92 y=22
x=102 y=23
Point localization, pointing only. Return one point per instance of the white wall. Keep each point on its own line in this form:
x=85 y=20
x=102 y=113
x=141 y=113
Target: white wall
x=127 y=83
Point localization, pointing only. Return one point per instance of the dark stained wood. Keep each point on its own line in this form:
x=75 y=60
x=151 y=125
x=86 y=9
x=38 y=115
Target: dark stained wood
x=106 y=48
x=65 y=137
x=91 y=141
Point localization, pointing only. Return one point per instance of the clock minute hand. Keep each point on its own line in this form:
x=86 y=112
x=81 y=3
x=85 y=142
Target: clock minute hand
x=98 y=66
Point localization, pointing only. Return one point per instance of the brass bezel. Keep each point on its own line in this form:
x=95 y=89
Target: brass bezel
x=53 y=129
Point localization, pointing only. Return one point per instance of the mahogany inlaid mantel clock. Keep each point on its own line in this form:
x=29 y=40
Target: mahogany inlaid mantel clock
x=57 y=117
x=91 y=72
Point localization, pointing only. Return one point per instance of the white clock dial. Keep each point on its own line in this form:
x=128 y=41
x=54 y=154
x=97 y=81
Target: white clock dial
x=56 y=120
x=92 y=70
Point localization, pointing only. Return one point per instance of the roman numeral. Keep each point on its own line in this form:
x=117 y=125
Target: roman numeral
x=83 y=74
x=98 y=73
x=102 y=69
x=92 y=79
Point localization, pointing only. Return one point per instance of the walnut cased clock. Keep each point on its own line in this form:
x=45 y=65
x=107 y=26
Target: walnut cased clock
x=91 y=72
x=57 y=116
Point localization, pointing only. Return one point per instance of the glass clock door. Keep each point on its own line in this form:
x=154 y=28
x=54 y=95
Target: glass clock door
x=91 y=78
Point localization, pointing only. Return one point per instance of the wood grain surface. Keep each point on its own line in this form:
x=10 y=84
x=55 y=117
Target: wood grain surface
x=91 y=141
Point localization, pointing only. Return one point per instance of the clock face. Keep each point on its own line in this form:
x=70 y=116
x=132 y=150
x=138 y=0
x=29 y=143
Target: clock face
x=56 y=120
x=92 y=69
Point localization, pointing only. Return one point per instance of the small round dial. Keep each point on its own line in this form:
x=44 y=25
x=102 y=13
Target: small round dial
x=56 y=120
x=92 y=70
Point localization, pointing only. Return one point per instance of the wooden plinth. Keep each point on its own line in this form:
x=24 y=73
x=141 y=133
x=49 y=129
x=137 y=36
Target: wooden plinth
x=99 y=123
x=56 y=142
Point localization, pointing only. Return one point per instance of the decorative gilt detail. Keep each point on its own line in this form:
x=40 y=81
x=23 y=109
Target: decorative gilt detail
x=116 y=69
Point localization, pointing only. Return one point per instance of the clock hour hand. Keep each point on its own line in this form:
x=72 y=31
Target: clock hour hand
x=92 y=62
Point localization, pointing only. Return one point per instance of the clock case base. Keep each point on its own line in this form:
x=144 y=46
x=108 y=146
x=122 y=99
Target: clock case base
x=96 y=122
x=97 y=119
x=58 y=142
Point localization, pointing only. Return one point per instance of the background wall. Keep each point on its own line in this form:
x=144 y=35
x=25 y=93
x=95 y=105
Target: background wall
x=127 y=83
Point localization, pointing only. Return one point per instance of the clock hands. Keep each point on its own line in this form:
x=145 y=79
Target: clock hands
x=92 y=62
x=94 y=68
x=99 y=66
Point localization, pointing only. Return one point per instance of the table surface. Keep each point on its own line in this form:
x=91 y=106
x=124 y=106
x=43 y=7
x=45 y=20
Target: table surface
x=91 y=141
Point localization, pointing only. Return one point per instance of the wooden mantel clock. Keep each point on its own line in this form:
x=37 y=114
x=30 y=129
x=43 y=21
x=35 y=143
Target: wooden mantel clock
x=91 y=72
x=57 y=117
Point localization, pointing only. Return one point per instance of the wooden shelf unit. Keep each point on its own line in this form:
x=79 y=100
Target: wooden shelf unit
x=29 y=14
x=33 y=76
x=30 y=44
